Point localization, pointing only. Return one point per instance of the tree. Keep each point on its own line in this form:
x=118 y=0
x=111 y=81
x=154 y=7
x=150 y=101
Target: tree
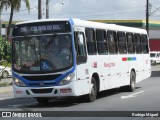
x=5 y=49
x=14 y=6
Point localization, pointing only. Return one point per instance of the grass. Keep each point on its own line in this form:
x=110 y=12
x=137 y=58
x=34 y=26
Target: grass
x=5 y=84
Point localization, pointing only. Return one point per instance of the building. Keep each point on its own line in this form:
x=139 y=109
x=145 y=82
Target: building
x=154 y=29
x=5 y=26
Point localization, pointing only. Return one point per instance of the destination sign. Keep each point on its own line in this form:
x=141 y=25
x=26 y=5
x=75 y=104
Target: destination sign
x=41 y=28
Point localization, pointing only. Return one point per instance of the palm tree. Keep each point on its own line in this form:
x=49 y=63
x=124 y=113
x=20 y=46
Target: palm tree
x=14 y=6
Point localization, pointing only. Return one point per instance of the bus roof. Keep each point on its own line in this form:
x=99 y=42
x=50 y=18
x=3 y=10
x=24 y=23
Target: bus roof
x=91 y=24
x=42 y=20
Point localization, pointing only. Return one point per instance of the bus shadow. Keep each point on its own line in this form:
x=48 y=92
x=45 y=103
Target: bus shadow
x=112 y=92
x=155 y=74
x=108 y=93
x=29 y=104
x=68 y=102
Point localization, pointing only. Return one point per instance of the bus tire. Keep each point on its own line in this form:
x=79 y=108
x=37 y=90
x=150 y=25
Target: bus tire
x=131 y=87
x=91 y=97
x=42 y=100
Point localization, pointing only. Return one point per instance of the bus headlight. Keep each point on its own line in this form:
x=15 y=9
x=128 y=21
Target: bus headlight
x=18 y=82
x=67 y=79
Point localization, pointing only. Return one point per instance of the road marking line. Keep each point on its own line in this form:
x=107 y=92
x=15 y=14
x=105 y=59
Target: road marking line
x=132 y=95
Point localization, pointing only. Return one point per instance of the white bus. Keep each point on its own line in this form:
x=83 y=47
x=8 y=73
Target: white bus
x=72 y=57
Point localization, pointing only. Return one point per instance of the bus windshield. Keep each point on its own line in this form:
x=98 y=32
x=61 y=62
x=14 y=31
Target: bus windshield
x=152 y=54
x=47 y=53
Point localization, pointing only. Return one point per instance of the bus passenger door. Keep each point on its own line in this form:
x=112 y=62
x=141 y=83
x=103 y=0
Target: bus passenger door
x=82 y=86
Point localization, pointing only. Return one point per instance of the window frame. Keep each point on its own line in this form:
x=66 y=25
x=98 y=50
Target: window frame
x=145 y=44
x=131 y=43
x=80 y=58
x=138 y=44
x=114 y=43
x=103 y=40
x=90 y=46
x=122 y=46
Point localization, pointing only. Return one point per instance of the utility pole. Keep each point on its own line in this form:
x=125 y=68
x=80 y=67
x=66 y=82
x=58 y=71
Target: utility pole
x=147 y=16
x=39 y=9
x=47 y=9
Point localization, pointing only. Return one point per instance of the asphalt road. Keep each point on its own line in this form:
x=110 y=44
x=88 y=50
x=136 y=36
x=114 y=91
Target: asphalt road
x=145 y=98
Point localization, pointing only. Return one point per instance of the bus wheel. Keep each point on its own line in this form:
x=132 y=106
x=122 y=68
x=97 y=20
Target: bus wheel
x=42 y=100
x=91 y=97
x=132 y=85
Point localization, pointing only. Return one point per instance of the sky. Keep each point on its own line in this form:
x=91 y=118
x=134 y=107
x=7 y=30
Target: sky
x=89 y=10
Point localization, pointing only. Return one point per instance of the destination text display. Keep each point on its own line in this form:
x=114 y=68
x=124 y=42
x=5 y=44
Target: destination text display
x=41 y=28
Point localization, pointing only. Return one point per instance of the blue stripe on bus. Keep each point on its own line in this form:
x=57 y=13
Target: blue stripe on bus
x=71 y=22
x=36 y=83
x=134 y=58
x=74 y=57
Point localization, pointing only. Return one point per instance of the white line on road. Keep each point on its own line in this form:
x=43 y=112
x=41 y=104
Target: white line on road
x=132 y=95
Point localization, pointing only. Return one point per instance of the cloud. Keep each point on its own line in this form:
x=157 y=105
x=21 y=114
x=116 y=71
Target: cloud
x=99 y=9
x=87 y=9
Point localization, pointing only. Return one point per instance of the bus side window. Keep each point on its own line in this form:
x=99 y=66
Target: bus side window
x=130 y=43
x=91 y=42
x=80 y=47
x=112 y=42
x=101 y=42
x=122 y=42
x=144 y=43
x=137 y=40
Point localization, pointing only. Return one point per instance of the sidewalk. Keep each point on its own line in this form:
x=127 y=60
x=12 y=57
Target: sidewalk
x=8 y=89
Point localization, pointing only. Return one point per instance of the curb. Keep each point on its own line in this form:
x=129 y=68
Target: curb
x=4 y=90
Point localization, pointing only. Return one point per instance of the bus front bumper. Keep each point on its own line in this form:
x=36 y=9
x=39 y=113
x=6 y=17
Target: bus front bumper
x=54 y=91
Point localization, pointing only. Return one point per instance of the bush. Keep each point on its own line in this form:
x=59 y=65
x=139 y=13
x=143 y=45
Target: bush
x=5 y=63
x=5 y=84
x=5 y=49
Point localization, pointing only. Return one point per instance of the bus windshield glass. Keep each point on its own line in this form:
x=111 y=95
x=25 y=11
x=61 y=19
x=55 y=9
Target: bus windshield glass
x=152 y=54
x=40 y=54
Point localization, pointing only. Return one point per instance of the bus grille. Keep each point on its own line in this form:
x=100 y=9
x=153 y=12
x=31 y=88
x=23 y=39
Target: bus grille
x=41 y=91
x=44 y=84
x=42 y=78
